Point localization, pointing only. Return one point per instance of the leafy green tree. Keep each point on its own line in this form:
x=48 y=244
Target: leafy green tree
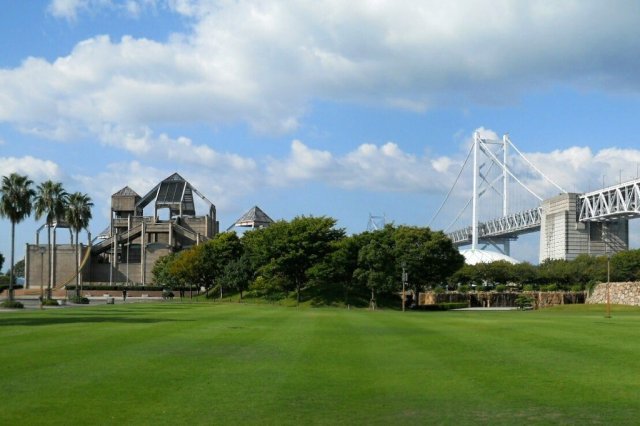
x=377 y=262
x=18 y=268
x=625 y=266
x=429 y=257
x=287 y=250
x=216 y=254
x=162 y=272
x=524 y=273
x=467 y=275
x=498 y=272
x=15 y=204
x=50 y=201
x=237 y=275
x=78 y=215
x=559 y=272
x=586 y=268
x=337 y=269
x=187 y=268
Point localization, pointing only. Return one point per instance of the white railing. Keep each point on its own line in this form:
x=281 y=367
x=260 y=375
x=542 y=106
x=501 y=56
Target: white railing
x=614 y=202
x=506 y=226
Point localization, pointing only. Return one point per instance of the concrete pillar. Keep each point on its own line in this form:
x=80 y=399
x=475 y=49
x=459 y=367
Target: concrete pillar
x=562 y=236
x=143 y=253
x=26 y=266
x=53 y=259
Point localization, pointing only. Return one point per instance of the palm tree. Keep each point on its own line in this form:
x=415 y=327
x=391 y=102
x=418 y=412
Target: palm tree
x=78 y=215
x=15 y=204
x=50 y=201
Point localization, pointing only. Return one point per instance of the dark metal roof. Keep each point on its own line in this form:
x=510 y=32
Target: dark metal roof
x=254 y=218
x=174 y=193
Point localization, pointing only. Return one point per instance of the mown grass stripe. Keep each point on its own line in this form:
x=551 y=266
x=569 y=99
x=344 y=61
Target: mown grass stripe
x=260 y=364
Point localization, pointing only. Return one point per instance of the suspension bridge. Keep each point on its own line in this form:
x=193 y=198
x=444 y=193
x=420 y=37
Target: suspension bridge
x=569 y=224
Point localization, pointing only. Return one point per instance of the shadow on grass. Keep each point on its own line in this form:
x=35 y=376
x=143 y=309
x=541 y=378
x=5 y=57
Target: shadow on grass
x=336 y=297
x=85 y=319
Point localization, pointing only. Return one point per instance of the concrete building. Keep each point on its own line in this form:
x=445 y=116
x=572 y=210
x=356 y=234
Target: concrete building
x=127 y=250
x=563 y=236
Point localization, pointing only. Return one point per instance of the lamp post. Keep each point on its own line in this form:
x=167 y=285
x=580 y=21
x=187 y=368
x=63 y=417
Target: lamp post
x=404 y=283
x=41 y=250
x=608 y=286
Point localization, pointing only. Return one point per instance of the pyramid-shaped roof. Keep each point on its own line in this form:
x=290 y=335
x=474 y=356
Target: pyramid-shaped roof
x=254 y=218
x=174 y=193
x=126 y=192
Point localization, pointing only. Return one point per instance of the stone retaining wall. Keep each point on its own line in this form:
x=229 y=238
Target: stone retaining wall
x=541 y=299
x=620 y=293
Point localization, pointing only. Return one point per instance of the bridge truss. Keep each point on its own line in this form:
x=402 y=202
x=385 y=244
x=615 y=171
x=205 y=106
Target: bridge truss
x=502 y=227
x=612 y=203
x=507 y=227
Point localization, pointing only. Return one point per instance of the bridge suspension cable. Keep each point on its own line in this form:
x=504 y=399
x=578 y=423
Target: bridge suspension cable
x=493 y=157
x=534 y=167
x=452 y=187
x=485 y=182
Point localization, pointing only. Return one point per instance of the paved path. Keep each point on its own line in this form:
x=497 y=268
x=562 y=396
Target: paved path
x=509 y=308
x=33 y=303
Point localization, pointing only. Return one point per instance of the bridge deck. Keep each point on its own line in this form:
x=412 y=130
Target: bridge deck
x=503 y=227
x=615 y=202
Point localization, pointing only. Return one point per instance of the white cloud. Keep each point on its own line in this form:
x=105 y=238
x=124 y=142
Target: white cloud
x=142 y=142
x=370 y=167
x=263 y=62
x=222 y=186
x=67 y=9
x=578 y=169
x=304 y=163
x=70 y=9
x=37 y=169
x=387 y=168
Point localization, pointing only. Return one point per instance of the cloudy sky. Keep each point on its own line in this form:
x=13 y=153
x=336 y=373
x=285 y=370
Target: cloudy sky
x=320 y=107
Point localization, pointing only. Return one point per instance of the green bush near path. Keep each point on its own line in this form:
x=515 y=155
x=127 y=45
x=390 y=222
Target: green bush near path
x=232 y=363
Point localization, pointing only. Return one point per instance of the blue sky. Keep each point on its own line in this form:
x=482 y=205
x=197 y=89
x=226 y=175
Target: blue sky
x=327 y=107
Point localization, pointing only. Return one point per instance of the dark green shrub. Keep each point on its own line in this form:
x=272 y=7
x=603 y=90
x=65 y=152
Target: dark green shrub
x=527 y=287
x=444 y=306
x=107 y=287
x=80 y=300
x=12 y=304
x=275 y=296
x=501 y=288
x=577 y=287
x=550 y=287
x=50 y=302
x=214 y=292
x=523 y=301
x=167 y=294
x=463 y=288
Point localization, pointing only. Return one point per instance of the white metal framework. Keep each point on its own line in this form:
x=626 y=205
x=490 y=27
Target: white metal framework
x=502 y=227
x=614 y=202
x=510 y=224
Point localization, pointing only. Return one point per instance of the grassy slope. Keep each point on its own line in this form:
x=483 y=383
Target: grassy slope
x=222 y=363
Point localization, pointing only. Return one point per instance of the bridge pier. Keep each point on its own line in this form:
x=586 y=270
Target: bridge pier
x=563 y=236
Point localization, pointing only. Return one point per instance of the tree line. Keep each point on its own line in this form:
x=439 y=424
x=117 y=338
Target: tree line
x=19 y=198
x=313 y=259
x=574 y=275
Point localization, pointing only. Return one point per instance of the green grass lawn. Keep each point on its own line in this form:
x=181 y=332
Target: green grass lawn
x=223 y=363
